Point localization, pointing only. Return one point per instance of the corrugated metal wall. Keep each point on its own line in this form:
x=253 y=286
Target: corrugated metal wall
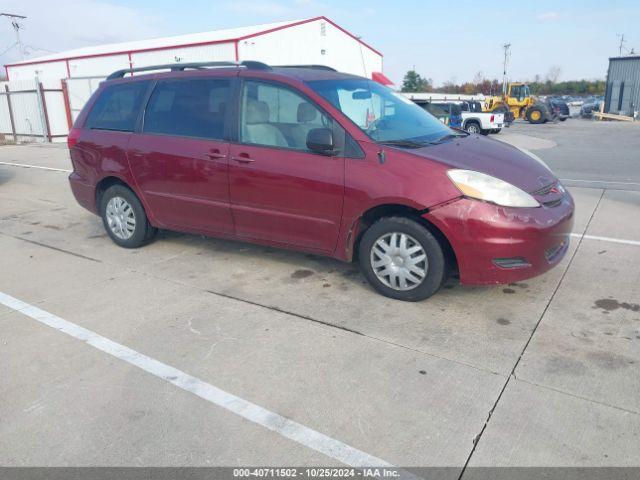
x=80 y=90
x=623 y=86
x=33 y=110
x=23 y=99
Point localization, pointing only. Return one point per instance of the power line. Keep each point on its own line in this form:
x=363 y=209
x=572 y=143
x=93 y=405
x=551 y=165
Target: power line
x=8 y=48
x=16 y=27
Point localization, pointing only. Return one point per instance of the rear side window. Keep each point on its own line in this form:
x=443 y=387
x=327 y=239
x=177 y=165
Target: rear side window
x=189 y=108
x=117 y=107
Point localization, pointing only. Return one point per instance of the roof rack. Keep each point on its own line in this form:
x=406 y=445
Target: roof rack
x=179 y=67
x=313 y=66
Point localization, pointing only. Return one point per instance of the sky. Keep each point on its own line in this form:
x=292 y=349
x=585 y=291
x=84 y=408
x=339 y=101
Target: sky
x=445 y=41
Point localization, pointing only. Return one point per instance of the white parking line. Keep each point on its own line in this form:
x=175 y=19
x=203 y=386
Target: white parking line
x=606 y=239
x=254 y=413
x=24 y=165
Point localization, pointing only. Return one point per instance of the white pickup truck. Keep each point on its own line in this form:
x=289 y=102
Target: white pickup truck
x=474 y=120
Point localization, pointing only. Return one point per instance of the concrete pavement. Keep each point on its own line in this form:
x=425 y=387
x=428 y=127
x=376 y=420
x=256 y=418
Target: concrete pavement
x=549 y=365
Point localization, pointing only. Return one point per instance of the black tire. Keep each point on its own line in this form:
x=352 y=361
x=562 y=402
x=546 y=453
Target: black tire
x=472 y=127
x=563 y=119
x=485 y=132
x=541 y=117
x=142 y=233
x=496 y=130
x=435 y=266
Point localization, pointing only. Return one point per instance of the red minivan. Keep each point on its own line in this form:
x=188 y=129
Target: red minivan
x=312 y=159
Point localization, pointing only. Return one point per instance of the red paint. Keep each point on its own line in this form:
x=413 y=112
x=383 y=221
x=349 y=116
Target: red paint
x=286 y=197
x=235 y=48
x=316 y=203
x=6 y=72
x=72 y=138
x=194 y=44
x=381 y=78
x=67 y=103
x=68 y=69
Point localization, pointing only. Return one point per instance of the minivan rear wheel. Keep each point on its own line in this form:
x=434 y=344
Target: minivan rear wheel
x=124 y=217
x=401 y=259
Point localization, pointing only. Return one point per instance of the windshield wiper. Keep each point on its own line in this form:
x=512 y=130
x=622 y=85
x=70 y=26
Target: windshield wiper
x=447 y=137
x=402 y=143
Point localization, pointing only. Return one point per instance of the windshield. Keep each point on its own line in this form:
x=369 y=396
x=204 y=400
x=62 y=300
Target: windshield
x=384 y=115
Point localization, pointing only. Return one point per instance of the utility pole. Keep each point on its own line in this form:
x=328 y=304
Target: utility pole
x=506 y=47
x=621 y=35
x=16 y=27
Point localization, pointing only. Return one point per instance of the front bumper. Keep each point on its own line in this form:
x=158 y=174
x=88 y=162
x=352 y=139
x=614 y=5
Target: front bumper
x=497 y=245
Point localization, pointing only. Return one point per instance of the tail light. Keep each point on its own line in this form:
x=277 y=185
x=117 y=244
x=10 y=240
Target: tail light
x=492 y=118
x=72 y=138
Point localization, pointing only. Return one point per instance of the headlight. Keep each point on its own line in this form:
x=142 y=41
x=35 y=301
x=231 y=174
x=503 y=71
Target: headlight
x=535 y=157
x=490 y=189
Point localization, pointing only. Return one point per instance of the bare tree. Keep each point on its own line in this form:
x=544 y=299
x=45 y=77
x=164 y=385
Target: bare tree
x=478 y=79
x=554 y=74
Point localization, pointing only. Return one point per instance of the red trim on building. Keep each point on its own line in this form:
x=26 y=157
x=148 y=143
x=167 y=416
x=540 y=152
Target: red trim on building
x=309 y=20
x=381 y=78
x=195 y=44
x=67 y=103
x=6 y=72
x=68 y=69
x=236 y=51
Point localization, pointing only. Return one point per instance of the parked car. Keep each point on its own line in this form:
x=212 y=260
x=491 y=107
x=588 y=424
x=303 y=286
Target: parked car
x=318 y=161
x=474 y=120
x=560 y=108
x=454 y=112
x=587 y=109
x=440 y=113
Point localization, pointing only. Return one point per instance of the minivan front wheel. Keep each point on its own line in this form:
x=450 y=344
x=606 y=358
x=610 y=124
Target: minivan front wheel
x=401 y=259
x=124 y=218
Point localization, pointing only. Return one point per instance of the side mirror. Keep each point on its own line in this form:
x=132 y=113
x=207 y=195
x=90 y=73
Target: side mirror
x=321 y=140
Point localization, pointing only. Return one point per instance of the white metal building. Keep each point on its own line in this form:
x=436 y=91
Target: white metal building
x=312 y=41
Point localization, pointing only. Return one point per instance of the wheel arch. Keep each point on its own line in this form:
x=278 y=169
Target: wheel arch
x=472 y=120
x=373 y=214
x=107 y=182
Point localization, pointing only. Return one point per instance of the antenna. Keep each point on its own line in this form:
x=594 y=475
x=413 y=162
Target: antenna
x=507 y=54
x=16 y=27
x=621 y=35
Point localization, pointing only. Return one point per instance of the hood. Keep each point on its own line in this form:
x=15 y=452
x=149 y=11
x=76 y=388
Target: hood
x=491 y=157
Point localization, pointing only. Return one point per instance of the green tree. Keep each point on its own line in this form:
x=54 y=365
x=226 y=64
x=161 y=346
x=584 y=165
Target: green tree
x=413 y=82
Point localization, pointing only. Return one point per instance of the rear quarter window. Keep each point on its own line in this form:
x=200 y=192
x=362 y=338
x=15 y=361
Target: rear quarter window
x=117 y=107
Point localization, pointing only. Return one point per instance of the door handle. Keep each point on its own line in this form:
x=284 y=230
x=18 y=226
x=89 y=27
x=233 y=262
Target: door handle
x=213 y=154
x=243 y=158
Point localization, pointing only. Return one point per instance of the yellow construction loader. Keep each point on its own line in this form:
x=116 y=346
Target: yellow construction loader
x=520 y=103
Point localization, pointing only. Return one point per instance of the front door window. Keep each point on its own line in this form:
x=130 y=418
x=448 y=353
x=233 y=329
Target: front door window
x=275 y=116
